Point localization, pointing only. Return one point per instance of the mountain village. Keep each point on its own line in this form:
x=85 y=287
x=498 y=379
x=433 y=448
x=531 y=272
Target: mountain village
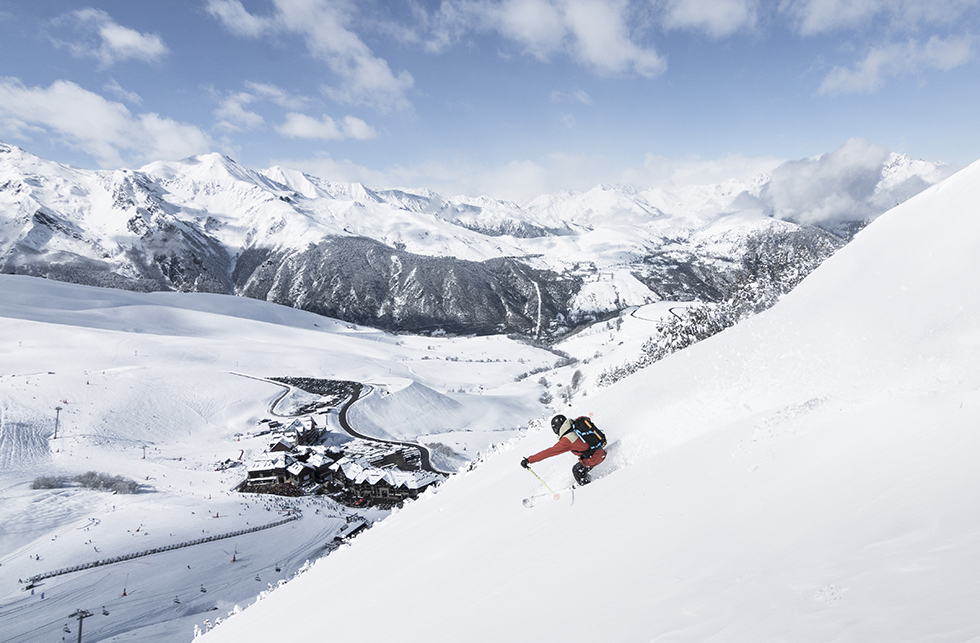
x=358 y=472
x=351 y=470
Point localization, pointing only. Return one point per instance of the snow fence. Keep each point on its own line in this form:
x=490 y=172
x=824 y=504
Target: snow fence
x=156 y=550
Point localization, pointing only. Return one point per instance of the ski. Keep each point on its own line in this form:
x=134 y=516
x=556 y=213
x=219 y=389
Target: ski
x=567 y=493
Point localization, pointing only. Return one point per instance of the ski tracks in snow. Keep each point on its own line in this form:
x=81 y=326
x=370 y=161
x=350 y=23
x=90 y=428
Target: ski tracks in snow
x=23 y=441
x=772 y=429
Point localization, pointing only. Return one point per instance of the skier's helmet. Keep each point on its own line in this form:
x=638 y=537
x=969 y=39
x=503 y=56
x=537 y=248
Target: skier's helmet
x=556 y=423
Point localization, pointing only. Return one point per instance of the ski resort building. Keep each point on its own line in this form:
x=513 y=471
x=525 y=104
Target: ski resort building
x=270 y=469
x=380 y=473
x=302 y=431
x=381 y=483
x=300 y=474
x=377 y=473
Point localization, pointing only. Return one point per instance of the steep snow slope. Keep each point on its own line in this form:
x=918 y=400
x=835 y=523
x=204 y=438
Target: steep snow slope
x=809 y=475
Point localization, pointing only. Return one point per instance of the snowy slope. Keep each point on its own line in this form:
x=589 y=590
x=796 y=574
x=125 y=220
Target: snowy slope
x=166 y=389
x=808 y=475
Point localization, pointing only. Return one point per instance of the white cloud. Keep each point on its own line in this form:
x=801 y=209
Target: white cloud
x=896 y=60
x=86 y=121
x=595 y=33
x=234 y=112
x=818 y=16
x=822 y=16
x=518 y=180
x=325 y=128
x=602 y=40
x=836 y=186
x=717 y=18
x=303 y=126
x=326 y=30
x=277 y=95
x=236 y=19
x=671 y=173
x=237 y=111
x=345 y=171
x=578 y=96
x=522 y=180
x=926 y=26
x=108 y=42
x=114 y=88
x=538 y=25
x=358 y=129
x=846 y=184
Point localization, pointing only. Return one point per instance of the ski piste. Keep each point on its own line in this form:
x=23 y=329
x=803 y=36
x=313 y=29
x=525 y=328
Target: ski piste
x=568 y=493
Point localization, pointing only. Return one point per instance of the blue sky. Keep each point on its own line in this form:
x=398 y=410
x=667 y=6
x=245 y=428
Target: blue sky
x=504 y=97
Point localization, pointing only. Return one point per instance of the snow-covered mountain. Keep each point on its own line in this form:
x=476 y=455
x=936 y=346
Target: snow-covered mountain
x=397 y=259
x=809 y=475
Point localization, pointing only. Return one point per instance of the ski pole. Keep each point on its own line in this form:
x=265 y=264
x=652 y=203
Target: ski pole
x=543 y=482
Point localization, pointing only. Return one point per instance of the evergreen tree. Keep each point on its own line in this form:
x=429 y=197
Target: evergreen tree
x=769 y=270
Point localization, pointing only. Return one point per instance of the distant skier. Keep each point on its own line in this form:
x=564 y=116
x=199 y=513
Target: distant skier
x=582 y=438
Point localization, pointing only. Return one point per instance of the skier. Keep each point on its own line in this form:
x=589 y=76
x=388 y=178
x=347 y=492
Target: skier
x=570 y=440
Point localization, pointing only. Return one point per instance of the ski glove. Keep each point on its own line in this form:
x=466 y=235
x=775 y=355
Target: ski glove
x=524 y=463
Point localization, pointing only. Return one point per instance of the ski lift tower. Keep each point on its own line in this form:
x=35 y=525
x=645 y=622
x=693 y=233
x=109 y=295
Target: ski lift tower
x=80 y=614
x=83 y=614
x=57 y=419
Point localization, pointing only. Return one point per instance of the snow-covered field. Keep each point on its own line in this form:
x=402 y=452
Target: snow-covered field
x=160 y=388
x=808 y=475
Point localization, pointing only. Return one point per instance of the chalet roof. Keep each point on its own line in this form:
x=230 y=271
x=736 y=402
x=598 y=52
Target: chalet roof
x=351 y=470
x=281 y=443
x=412 y=479
x=299 y=425
x=271 y=461
x=318 y=461
x=357 y=473
x=296 y=468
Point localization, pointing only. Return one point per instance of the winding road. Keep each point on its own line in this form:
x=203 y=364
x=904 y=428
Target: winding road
x=680 y=306
x=425 y=461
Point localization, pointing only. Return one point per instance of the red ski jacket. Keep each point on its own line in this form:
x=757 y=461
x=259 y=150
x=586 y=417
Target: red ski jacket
x=570 y=442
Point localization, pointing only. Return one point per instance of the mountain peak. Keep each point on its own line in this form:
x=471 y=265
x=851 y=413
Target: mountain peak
x=214 y=166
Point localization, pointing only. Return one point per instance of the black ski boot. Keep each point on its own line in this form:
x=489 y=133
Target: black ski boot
x=581 y=474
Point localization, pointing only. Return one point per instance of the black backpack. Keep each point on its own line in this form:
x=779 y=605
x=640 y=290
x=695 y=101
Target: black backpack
x=590 y=434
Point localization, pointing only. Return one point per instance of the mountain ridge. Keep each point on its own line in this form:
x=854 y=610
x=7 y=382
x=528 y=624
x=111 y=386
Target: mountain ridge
x=208 y=224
